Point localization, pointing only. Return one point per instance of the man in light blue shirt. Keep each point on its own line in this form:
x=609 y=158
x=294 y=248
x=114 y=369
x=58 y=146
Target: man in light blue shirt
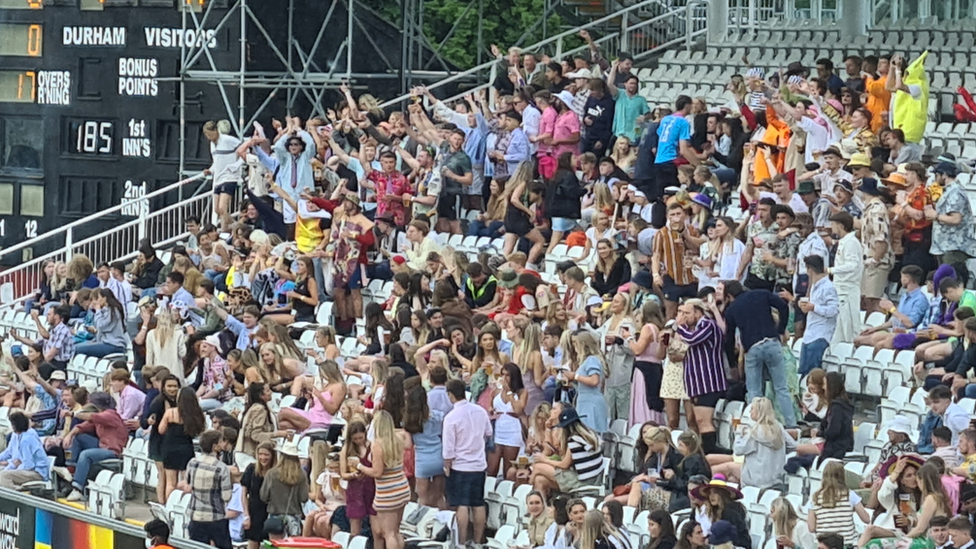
x=245 y=328
x=518 y=144
x=821 y=309
x=673 y=142
x=178 y=295
x=24 y=460
x=294 y=152
x=907 y=317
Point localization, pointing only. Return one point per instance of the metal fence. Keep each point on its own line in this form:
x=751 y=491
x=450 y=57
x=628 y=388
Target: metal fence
x=97 y=236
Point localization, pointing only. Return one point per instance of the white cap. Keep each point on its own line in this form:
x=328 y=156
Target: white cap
x=566 y=97
x=582 y=73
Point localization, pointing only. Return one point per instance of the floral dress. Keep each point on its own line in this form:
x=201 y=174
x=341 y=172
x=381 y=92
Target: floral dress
x=345 y=251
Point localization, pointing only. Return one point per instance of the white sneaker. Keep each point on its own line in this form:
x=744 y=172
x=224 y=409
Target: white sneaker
x=75 y=495
x=63 y=473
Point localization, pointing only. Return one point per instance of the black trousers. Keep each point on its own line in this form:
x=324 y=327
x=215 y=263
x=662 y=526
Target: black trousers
x=217 y=532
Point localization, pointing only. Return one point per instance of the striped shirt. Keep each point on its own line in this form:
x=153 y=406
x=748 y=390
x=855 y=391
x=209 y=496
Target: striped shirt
x=670 y=248
x=703 y=369
x=587 y=459
x=209 y=480
x=838 y=519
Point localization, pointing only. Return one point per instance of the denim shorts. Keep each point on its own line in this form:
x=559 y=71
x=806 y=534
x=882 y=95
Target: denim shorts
x=563 y=224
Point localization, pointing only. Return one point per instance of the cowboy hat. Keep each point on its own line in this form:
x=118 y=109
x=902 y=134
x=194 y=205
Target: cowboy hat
x=702 y=200
x=718 y=482
x=289 y=448
x=567 y=417
x=859 y=160
x=889 y=465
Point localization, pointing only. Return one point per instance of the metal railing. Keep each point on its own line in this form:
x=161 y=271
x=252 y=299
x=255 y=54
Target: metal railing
x=760 y=14
x=163 y=226
x=640 y=37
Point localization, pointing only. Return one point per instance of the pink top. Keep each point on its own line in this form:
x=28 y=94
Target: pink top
x=566 y=125
x=547 y=125
x=131 y=403
x=317 y=415
x=650 y=352
x=466 y=428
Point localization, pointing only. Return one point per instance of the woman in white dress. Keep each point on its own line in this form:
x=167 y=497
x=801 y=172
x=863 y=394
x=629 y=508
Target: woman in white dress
x=508 y=407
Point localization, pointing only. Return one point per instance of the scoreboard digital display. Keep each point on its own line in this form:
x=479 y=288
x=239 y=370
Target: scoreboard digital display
x=90 y=96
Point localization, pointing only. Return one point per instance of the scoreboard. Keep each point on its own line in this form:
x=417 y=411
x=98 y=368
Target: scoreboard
x=90 y=111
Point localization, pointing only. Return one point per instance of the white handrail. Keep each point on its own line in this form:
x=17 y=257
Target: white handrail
x=535 y=47
x=67 y=229
x=162 y=227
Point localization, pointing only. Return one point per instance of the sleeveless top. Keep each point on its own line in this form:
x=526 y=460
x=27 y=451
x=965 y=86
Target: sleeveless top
x=302 y=309
x=650 y=352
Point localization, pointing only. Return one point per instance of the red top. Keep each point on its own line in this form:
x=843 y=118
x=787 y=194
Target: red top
x=366 y=240
x=109 y=428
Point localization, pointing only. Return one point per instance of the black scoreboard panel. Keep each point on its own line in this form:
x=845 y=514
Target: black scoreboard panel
x=85 y=119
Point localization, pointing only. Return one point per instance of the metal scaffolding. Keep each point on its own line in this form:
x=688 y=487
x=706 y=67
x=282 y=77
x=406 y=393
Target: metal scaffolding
x=304 y=71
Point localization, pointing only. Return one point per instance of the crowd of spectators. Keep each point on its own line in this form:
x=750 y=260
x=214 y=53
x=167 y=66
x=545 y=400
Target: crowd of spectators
x=635 y=263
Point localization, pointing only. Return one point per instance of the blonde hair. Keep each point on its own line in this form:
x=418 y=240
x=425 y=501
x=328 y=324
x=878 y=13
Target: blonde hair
x=594 y=528
x=273 y=372
x=784 y=517
x=833 y=486
x=191 y=276
x=602 y=198
x=164 y=329
x=585 y=345
x=79 y=269
x=766 y=429
x=531 y=342
x=289 y=470
x=385 y=435
x=329 y=372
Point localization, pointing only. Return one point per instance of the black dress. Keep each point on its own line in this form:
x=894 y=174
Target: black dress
x=156 y=408
x=256 y=509
x=177 y=448
x=303 y=311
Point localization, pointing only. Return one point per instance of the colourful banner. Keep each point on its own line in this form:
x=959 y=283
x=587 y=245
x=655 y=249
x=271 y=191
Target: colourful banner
x=25 y=527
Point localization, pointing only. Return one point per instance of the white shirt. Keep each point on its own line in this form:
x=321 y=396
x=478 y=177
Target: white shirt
x=530 y=124
x=236 y=503
x=816 y=138
x=796 y=202
x=226 y=167
x=822 y=321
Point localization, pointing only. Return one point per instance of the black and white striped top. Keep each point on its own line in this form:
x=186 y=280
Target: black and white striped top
x=587 y=460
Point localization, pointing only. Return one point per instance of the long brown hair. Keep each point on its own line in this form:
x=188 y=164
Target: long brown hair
x=261 y=470
x=833 y=486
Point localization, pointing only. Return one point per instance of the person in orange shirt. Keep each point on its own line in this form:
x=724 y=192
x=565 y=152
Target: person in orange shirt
x=878 y=98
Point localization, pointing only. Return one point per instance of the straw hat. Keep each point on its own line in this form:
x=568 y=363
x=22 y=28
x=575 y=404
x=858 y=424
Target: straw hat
x=718 y=482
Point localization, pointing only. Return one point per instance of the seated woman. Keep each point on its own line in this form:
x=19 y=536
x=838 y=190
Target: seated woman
x=833 y=506
x=763 y=447
x=722 y=503
x=669 y=489
x=899 y=443
x=324 y=394
x=581 y=460
x=912 y=523
x=109 y=326
x=656 y=454
x=304 y=298
x=610 y=269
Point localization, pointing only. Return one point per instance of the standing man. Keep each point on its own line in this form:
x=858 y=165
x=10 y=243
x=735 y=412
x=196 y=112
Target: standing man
x=391 y=187
x=876 y=243
x=847 y=272
x=831 y=172
x=630 y=106
x=670 y=264
x=466 y=428
x=208 y=479
x=759 y=236
x=818 y=206
x=673 y=142
x=952 y=219
x=821 y=311
x=811 y=244
x=704 y=374
x=918 y=229
x=751 y=312
x=512 y=147
x=294 y=151
x=24 y=460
